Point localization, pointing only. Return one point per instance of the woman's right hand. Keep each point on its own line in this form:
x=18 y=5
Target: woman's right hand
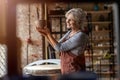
x=43 y=31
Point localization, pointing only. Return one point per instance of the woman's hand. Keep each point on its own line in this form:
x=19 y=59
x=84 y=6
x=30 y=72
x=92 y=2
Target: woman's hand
x=43 y=31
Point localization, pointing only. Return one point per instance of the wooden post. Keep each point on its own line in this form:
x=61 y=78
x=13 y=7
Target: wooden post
x=46 y=43
x=12 y=58
x=42 y=17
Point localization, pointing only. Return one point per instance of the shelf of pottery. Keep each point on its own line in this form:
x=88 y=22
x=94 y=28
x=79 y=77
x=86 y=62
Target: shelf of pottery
x=101 y=57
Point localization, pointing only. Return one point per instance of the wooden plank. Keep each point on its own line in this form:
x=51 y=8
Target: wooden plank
x=11 y=40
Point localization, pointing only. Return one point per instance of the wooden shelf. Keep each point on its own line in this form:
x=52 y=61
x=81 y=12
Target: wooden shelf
x=100 y=40
x=101 y=31
x=92 y=12
x=56 y=16
x=99 y=22
x=99 y=12
x=101 y=47
x=97 y=55
x=103 y=64
x=105 y=73
x=90 y=65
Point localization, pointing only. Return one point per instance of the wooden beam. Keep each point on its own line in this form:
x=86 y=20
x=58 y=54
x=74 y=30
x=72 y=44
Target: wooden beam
x=11 y=42
x=49 y=1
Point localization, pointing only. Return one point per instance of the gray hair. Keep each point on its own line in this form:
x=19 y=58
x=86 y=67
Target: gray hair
x=79 y=16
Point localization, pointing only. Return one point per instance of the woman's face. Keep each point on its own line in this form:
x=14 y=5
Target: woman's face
x=70 y=22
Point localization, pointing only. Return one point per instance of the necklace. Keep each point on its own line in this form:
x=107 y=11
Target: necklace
x=73 y=33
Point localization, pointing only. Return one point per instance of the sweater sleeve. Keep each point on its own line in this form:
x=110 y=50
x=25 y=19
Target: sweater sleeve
x=76 y=41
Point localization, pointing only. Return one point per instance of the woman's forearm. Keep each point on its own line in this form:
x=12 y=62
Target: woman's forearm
x=51 y=40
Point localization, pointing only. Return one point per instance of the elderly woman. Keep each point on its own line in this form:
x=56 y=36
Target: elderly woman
x=72 y=45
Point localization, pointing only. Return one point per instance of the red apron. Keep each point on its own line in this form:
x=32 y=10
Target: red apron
x=71 y=63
